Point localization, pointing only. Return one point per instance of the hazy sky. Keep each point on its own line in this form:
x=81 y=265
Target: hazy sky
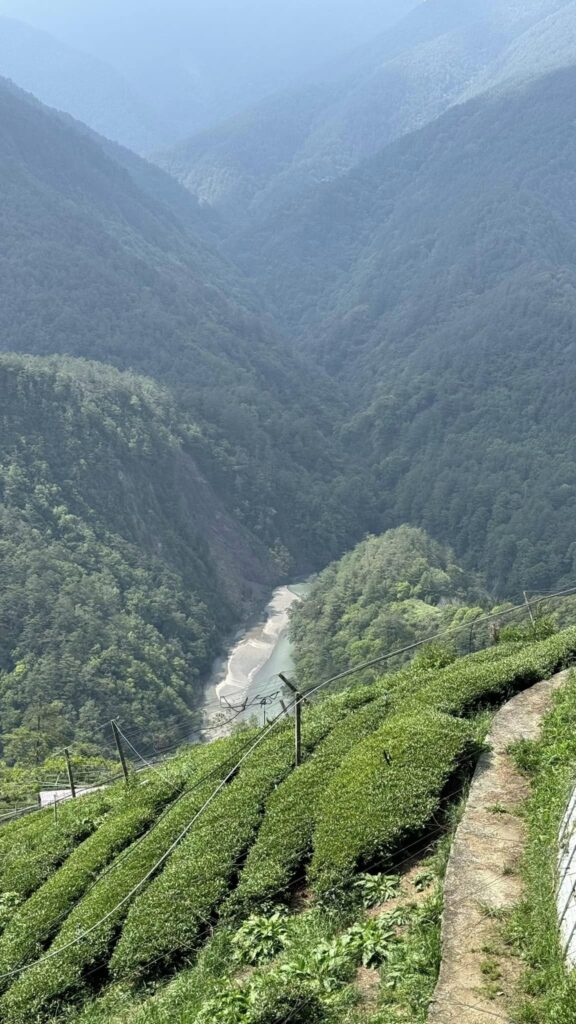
x=194 y=62
x=267 y=40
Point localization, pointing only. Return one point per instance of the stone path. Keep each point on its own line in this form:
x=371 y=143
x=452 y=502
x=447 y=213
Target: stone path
x=482 y=877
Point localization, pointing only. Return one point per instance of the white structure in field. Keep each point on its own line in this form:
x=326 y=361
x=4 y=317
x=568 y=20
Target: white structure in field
x=49 y=797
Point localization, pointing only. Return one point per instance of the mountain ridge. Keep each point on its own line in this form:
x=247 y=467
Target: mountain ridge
x=121 y=568
x=193 y=66
x=77 y=83
x=437 y=281
x=169 y=306
x=406 y=78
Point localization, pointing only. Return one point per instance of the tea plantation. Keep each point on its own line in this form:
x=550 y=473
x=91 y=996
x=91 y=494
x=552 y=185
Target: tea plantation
x=152 y=902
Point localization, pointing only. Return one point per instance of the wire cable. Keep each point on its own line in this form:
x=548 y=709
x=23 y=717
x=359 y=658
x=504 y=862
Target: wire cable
x=265 y=733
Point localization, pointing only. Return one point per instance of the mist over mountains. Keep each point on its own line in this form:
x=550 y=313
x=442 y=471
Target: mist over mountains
x=441 y=53
x=73 y=81
x=352 y=305
x=185 y=66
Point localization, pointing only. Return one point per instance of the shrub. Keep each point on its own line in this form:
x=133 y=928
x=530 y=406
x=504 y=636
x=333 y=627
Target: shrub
x=160 y=929
x=530 y=632
x=38 y=919
x=42 y=844
x=373 y=803
x=286 y=834
x=435 y=655
x=47 y=986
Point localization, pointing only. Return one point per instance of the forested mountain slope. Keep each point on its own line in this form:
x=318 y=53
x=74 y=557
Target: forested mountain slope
x=438 y=54
x=120 y=568
x=77 y=83
x=387 y=593
x=439 y=280
x=100 y=261
x=548 y=45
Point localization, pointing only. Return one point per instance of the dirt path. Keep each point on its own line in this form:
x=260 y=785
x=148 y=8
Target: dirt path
x=482 y=881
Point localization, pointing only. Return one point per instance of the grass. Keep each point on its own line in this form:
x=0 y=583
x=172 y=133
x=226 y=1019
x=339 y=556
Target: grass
x=548 y=990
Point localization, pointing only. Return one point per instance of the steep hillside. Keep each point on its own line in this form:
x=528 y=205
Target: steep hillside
x=438 y=280
x=120 y=568
x=213 y=896
x=101 y=261
x=439 y=54
x=77 y=83
x=387 y=593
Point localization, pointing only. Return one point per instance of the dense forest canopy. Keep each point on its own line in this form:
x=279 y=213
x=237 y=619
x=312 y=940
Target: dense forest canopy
x=437 y=282
x=138 y=524
x=104 y=259
x=115 y=587
x=439 y=54
x=314 y=347
x=387 y=593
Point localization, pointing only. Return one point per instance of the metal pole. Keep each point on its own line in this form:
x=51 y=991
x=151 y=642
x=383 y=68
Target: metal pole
x=298 y=729
x=297 y=717
x=532 y=620
x=120 y=749
x=70 y=773
x=291 y=687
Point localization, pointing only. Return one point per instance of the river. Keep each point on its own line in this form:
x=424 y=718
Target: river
x=248 y=674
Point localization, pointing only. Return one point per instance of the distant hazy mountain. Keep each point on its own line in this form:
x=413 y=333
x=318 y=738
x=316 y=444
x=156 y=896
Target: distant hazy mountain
x=77 y=83
x=99 y=261
x=437 y=55
x=139 y=520
x=197 y=62
x=439 y=281
x=546 y=46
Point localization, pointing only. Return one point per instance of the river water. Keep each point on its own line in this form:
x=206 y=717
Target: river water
x=244 y=684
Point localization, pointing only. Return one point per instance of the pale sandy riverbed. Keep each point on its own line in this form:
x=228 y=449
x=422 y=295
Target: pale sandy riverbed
x=250 y=670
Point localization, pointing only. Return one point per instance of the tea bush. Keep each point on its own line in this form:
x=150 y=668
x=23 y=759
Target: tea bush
x=48 y=985
x=42 y=844
x=386 y=788
x=160 y=928
x=286 y=834
x=470 y=681
x=36 y=921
